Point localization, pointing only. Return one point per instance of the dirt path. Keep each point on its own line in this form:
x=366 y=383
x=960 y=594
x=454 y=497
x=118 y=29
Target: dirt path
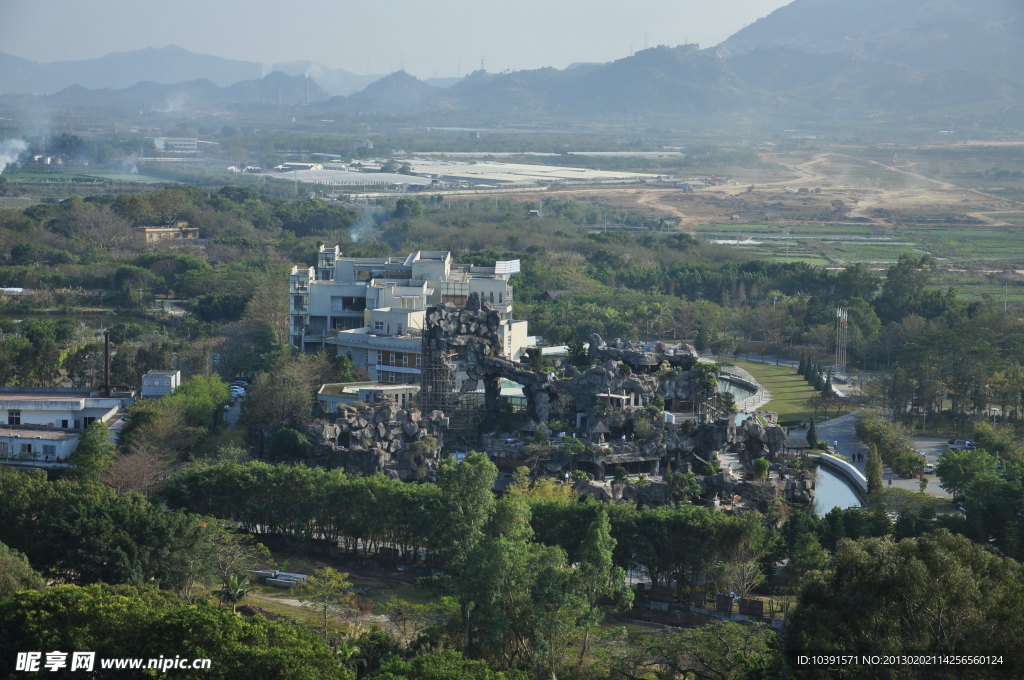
x=652 y=199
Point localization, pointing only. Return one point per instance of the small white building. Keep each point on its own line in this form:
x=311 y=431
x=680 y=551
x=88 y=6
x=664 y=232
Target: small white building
x=57 y=408
x=159 y=383
x=331 y=395
x=37 y=444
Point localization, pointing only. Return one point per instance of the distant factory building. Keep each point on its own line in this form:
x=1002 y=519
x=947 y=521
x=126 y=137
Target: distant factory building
x=362 y=144
x=175 y=144
x=288 y=167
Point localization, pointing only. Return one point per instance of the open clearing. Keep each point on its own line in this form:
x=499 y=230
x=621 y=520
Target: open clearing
x=836 y=208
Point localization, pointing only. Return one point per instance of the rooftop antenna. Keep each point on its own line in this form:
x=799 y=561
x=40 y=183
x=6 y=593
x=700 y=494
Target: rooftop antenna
x=482 y=64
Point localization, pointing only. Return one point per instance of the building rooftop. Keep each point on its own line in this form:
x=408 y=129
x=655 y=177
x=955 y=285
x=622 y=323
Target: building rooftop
x=338 y=389
x=67 y=398
x=37 y=433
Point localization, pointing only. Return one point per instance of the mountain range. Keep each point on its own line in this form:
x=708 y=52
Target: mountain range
x=812 y=59
x=683 y=81
x=924 y=34
x=166 y=65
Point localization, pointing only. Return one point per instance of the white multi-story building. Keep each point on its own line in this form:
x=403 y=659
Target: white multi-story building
x=57 y=408
x=44 y=424
x=373 y=309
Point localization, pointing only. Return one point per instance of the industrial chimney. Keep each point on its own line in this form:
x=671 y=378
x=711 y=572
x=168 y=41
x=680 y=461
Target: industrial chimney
x=106 y=364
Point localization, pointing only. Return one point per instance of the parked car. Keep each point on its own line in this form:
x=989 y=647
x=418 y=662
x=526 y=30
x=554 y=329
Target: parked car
x=961 y=444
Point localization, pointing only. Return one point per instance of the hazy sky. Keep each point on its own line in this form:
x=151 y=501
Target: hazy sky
x=428 y=37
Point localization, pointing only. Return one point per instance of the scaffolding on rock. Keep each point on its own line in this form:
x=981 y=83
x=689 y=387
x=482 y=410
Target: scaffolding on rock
x=438 y=392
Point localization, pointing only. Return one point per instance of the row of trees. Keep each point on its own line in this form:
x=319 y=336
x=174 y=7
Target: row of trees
x=688 y=544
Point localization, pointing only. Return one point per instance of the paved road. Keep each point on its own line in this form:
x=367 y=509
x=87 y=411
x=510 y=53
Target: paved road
x=842 y=430
x=232 y=414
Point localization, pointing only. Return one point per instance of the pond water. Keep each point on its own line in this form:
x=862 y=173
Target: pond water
x=831 y=491
x=737 y=391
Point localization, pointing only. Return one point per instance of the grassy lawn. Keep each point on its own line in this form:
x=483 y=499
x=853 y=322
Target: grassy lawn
x=789 y=391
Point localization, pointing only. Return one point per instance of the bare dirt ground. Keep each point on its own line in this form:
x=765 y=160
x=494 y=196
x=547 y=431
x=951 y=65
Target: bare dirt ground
x=866 y=186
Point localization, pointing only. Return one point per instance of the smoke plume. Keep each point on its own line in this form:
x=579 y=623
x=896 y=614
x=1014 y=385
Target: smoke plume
x=10 y=149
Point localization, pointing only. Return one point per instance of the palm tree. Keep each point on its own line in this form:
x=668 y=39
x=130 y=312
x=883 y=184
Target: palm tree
x=348 y=654
x=643 y=313
x=233 y=590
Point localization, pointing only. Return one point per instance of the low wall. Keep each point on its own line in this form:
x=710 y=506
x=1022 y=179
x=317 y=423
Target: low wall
x=743 y=378
x=852 y=475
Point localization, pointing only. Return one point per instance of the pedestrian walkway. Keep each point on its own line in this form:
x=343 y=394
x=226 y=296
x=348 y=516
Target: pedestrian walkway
x=757 y=400
x=842 y=431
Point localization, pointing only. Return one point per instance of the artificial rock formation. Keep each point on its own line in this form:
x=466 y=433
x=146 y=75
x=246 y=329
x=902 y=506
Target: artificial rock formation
x=378 y=438
x=638 y=355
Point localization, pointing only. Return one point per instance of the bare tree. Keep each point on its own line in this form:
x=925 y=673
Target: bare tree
x=170 y=204
x=821 y=338
x=142 y=469
x=269 y=306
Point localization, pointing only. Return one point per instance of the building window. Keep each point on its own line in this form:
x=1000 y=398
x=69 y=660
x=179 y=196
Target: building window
x=417 y=361
x=64 y=424
x=14 y=417
x=49 y=450
x=3 y=447
x=87 y=421
x=409 y=303
x=26 y=448
x=399 y=329
x=492 y=297
x=389 y=329
x=499 y=298
x=378 y=325
x=405 y=359
x=391 y=359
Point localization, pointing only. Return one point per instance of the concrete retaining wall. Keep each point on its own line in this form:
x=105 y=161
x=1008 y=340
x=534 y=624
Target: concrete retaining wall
x=852 y=475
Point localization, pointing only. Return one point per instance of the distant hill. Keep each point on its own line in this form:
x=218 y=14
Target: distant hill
x=867 y=62
x=166 y=65
x=683 y=81
x=192 y=95
x=924 y=34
